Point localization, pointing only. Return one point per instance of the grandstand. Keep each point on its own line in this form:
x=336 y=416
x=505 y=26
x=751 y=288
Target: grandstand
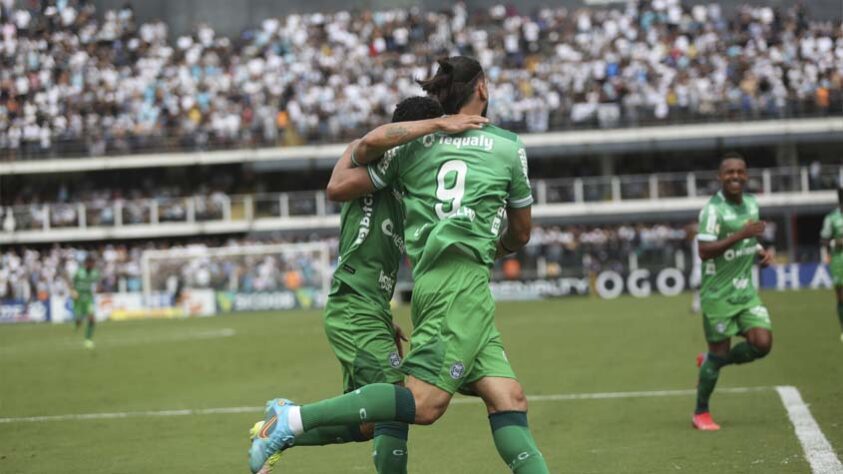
x=186 y=147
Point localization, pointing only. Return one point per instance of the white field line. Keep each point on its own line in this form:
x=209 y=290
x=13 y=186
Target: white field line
x=560 y=397
x=818 y=450
x=461 y=400
x=120 y=341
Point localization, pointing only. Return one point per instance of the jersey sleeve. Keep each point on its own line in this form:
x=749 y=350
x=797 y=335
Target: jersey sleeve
x=826 y=231
x=709 y=224
x=520 y=193
x=384 y=172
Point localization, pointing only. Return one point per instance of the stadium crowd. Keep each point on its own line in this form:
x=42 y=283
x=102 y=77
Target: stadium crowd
x=72 y=83
x=28 y=273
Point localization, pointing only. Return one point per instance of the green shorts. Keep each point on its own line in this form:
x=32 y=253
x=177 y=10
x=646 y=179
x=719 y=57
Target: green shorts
x=719 y=329
x=83 y=306
x=836 y=269
x=361 y=335
x=455 y=341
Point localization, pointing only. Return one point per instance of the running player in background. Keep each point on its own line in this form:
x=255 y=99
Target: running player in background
x=358 y=320
x=831 y=237
x=457 y=190
x=728 y=246
x=85 y=282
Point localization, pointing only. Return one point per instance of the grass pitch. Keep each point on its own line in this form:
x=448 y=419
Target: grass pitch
x=577 y=345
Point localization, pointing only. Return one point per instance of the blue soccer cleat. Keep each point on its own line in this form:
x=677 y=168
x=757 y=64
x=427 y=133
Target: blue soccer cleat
x=271 y=436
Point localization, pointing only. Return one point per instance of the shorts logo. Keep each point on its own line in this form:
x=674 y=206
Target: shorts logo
x=457 y=370
x=720 y=327
x=394 y=360
x=761 y=312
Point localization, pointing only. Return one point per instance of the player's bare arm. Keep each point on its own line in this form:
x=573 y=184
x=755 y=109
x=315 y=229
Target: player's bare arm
x=517 y=233
x=710 y=250
x=348 y=181
x=380 y=140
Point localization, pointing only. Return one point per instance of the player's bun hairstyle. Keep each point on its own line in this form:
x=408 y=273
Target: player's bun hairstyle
x=454 y=81
x=417 y=108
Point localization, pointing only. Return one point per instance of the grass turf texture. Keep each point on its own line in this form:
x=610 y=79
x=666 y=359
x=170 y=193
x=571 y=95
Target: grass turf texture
x=575 y=345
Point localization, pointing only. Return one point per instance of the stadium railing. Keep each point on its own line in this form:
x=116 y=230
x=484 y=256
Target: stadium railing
x=557 y=144
x=630 y=196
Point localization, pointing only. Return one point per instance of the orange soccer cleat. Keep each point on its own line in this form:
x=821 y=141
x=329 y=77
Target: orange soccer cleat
x=703 y=422
x=700 y=359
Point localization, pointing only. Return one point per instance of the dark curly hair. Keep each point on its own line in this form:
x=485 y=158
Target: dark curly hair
x=454 y=81
x=417 y=108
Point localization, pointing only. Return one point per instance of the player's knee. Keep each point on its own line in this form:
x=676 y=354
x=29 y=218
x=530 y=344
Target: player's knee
x=762 y=343
x=428 y=414
x=517 y=399
x=763 y=347
x=429 y=409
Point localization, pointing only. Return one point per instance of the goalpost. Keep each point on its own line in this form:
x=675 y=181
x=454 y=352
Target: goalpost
x=248 y=277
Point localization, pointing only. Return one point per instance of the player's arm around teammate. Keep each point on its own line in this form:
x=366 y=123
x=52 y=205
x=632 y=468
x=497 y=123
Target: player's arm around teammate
x=349 y=178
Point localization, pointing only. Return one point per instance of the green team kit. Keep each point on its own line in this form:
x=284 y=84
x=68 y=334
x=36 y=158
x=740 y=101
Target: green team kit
x=84 y=282
x=456 y=189
x=832 y=231
x=358 y=321
x=730 y=301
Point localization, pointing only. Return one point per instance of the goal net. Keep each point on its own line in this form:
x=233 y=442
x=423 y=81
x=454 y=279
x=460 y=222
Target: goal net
x=242 y=278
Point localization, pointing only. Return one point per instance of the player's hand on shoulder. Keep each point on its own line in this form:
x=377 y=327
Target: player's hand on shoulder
x=457 y=123
x=753 y=229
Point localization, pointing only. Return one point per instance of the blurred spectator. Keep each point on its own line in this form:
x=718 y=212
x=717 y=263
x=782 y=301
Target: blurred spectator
x=72 y=84
x=569 y=250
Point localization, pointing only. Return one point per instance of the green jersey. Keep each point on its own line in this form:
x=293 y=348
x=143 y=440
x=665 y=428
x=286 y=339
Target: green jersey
x=727 y=283
x=371 y=245
x=833 y=230
x=456 y=189
x=85 y=281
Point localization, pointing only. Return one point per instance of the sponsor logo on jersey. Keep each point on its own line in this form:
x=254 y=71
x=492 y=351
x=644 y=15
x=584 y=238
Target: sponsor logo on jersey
x=477 y=141
x=522 y=156
x=394 y=360
x=457 y=370
x=732 y=254
x=740 y=283
x=428 y=140
x=387 y=227
x=386 y=282
x=720 y=327
x=384 y=163
x=368 y=202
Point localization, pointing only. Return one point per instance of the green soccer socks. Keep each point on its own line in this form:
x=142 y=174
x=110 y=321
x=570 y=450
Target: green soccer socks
x=744 y=352
x=89 y=329
x=515 y=443
x=372 y=403
x=331 y=435
x=390 y=455
x=709 y=372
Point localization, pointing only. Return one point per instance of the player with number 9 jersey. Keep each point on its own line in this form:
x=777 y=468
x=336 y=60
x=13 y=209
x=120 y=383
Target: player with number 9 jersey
x=456 y=189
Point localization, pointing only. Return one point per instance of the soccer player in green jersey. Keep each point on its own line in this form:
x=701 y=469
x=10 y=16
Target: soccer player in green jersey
x=85 y=282
x=358 y=320
x=457 y=189
x=728 y=230
x=832 y=241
